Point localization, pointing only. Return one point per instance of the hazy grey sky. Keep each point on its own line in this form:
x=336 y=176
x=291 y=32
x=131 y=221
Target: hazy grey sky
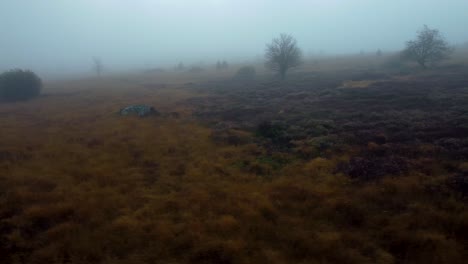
x=60 y=36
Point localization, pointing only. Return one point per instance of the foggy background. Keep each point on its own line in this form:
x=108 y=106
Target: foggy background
x=60 y=37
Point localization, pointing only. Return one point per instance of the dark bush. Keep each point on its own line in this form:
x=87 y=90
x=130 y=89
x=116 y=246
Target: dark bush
x=269 y=129
x=18 y=85
x=274 y=131
x=245 y=73
x=371 y=169
x=230 y=137
x=396 y=64
x=455 y=147
x=459 y=183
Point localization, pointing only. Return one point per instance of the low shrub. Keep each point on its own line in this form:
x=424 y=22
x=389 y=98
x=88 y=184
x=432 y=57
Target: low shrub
x=397 y=65
x=246 y=73
x=459 y=183
x=372 y=169
x=275 y=131
x=18 y=85
x=196 y=69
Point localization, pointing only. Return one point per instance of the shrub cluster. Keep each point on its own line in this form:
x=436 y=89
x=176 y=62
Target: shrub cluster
x=371 y=169
x=245 y=73
x=459 y=183
x=18 y=85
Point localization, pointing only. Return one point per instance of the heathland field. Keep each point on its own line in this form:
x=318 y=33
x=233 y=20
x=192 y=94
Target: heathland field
x=348 y=160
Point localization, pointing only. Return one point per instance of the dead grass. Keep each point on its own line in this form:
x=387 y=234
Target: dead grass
x=80 y=184
x=357 y=84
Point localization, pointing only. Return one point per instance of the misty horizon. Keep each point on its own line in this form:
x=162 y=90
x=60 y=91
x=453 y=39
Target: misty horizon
x=61 y=38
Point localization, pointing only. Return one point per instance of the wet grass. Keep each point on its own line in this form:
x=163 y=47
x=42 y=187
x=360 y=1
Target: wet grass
x=355 y=175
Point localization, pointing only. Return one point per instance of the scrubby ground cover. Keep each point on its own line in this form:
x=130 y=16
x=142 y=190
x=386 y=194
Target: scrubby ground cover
x=342 y=166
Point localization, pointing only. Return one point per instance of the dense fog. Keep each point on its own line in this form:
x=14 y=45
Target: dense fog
x=57 y=38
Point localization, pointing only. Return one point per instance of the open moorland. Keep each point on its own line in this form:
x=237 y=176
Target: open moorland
x=348 y=160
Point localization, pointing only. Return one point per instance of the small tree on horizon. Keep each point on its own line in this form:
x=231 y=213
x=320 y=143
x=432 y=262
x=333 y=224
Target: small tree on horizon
x=282 y=54
x=224 y=65
x=180 y=66
x=97 y=66
x=429 y=48
x=379 y=53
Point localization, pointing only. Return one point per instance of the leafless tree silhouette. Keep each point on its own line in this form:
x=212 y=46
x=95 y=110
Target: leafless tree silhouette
x=180 y=66
x=429 y=47
x=282 y=54
x=379 y=53
x=97 y=66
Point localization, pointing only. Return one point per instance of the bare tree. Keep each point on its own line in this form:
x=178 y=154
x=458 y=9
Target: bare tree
x=180 y=66
x=224 y=65
x=379 y=53
x=429 y=47
x=282 y=53
x=97 y=66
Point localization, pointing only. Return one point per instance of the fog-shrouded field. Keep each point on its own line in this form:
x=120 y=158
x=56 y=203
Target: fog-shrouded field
x=233 y=132
x=59 y=38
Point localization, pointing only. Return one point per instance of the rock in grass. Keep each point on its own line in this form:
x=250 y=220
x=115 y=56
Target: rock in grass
x=140 y=110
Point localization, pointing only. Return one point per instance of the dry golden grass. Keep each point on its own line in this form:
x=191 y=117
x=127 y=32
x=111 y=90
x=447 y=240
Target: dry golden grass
x=357 y=84
x=80 y=184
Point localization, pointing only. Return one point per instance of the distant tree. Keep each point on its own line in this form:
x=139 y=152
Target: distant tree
x=224 y=65
x=180 y=66
x=282 y=54
x=428 y=48
x=379 y=53
x=97 y=66
x=218 y=65
x=18 y=85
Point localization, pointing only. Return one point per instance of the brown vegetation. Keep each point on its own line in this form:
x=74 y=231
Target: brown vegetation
x=298 y=172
